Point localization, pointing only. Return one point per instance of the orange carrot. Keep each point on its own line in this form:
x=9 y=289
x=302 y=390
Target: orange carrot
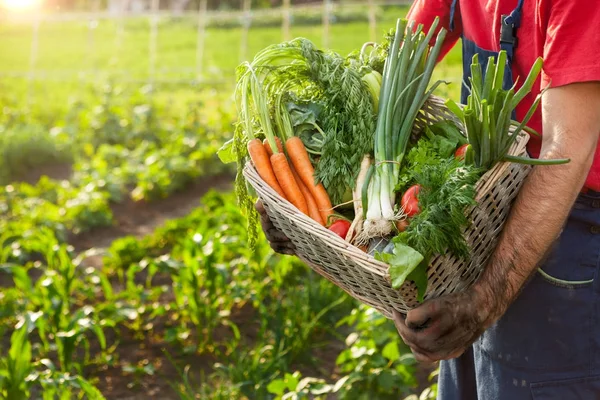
x=284 y=175
x=268 y=146
x=299 y=158
x=313 y=210
x=261 y=161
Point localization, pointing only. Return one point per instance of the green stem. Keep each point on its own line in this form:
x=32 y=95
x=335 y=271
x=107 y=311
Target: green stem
x=535 y=161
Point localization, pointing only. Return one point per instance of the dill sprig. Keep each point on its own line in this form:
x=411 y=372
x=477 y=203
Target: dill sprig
x=447 y=191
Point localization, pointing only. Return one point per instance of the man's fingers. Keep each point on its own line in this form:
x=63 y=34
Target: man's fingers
x=284 y=250
x=400 y=324
x=435 y=338
x=275 y=235
x=259 y=206
x=423 y=357
x=279 y=242
x=409 y=336
x=422 y=316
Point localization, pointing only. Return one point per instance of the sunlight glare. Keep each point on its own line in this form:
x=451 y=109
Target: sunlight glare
x=20 y=5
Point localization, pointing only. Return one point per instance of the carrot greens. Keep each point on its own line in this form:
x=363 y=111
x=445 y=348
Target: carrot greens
x=347 y=119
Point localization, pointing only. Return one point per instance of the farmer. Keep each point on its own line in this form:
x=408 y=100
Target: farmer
x=529 y=328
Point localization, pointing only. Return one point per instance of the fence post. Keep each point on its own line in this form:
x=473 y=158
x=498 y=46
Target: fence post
x=326 y=18
x=33 y=55
x=120 y=31
x=91 y=42
x=372 y=21
x=201 y=35
x=153 y=40
x=285 y=17
x=247 y=21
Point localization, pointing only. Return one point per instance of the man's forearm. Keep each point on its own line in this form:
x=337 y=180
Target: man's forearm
x=546 y=198
x=536 y=220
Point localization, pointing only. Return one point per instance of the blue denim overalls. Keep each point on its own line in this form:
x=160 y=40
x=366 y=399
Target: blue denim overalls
x=547 y=345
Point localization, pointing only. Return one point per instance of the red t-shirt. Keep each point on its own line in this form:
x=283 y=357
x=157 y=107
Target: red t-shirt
x=563 y=32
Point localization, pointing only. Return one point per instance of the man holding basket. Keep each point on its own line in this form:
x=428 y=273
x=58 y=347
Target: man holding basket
x=529 y=328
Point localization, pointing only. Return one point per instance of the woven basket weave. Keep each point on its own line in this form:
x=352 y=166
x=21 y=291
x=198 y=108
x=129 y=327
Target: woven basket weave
x=365 y=278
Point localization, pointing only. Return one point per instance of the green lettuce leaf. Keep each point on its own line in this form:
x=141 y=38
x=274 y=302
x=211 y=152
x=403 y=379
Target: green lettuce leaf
x=419 y=277
x=301 y=114
x=449 y=131
x=403 y=260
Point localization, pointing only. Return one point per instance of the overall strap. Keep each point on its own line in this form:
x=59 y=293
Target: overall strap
x=508 y=31
x=452 y=12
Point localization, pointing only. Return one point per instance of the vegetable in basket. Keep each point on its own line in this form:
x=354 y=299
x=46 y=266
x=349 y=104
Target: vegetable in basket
x=407 y=73
x=487 y=114
x=294 y=178
x=320 y=107
x=449 y=183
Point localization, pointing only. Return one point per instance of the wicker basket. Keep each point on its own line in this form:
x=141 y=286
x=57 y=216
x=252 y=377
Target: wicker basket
x=365 y=278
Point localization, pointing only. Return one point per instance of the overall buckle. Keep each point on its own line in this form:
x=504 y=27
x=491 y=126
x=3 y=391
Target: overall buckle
x=508 y=31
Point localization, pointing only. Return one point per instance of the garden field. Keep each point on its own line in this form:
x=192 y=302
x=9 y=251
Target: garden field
x=125 y=271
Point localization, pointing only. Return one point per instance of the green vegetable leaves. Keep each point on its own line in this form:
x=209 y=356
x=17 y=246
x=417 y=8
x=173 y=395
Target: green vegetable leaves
x=402 y=262
x=444 y=147
x=227 y=152
x=304 y=120
x=419 y=277
x=301 y=114
x=488 y=112
x=448 y=191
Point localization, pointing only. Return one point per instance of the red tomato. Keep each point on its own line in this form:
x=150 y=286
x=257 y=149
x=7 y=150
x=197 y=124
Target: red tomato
x=409 y=202
x=460 y=153
x=340 y=227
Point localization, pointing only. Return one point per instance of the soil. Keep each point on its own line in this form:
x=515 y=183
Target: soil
x=59 y=171
x=142 y=218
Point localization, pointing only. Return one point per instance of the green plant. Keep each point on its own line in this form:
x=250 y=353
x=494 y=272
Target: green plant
x=375 y=361
x=24 y=147
x=16 y=367
x=291 y=386
x=58 y=385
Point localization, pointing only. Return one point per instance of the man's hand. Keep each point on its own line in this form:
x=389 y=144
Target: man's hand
x=571 y=126
x=278 y=241
x=445 y=327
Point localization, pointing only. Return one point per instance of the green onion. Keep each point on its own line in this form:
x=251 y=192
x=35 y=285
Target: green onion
x=405 y=87
x=530 y=161
x=487 y=114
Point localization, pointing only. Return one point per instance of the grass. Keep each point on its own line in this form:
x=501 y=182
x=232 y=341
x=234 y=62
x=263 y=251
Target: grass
x=71 y=52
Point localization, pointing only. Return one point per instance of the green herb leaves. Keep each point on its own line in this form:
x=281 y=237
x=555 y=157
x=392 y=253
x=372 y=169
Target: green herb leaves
x=447 y=192
x=448 y=189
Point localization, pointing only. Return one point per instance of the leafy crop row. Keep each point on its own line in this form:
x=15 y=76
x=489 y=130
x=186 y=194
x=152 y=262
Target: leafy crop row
x=195 y=287
x=123 y=148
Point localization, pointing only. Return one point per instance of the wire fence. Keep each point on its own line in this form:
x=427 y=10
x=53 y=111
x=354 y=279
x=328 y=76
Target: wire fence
x=195 y=73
